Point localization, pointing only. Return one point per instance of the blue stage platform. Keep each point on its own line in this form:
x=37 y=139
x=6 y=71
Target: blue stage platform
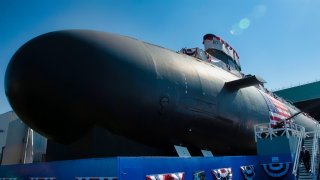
x=131 y=168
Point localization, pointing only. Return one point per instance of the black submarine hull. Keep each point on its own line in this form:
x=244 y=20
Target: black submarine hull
x=63 y=83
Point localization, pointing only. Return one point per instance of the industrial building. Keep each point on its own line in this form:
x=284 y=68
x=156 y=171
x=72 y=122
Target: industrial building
x=19 y=143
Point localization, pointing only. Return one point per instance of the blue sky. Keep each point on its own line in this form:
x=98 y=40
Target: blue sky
x=276 y=39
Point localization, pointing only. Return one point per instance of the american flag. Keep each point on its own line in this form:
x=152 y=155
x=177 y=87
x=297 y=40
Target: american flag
x=278 y=111
x=248 y=172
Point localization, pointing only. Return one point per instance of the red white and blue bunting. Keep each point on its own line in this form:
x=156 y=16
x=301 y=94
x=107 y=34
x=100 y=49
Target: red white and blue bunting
x=211 y=41
x=248 y=172
x=276 y=170
x=169 y=176
x=199 y=175
x=190 y=51
x=222 y=173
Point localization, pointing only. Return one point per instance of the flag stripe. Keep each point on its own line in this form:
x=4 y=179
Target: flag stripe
x=275 y=118
x=279 y=115
x=277 y=103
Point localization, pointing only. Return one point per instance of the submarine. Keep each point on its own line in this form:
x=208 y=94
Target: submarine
x=65 y=82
